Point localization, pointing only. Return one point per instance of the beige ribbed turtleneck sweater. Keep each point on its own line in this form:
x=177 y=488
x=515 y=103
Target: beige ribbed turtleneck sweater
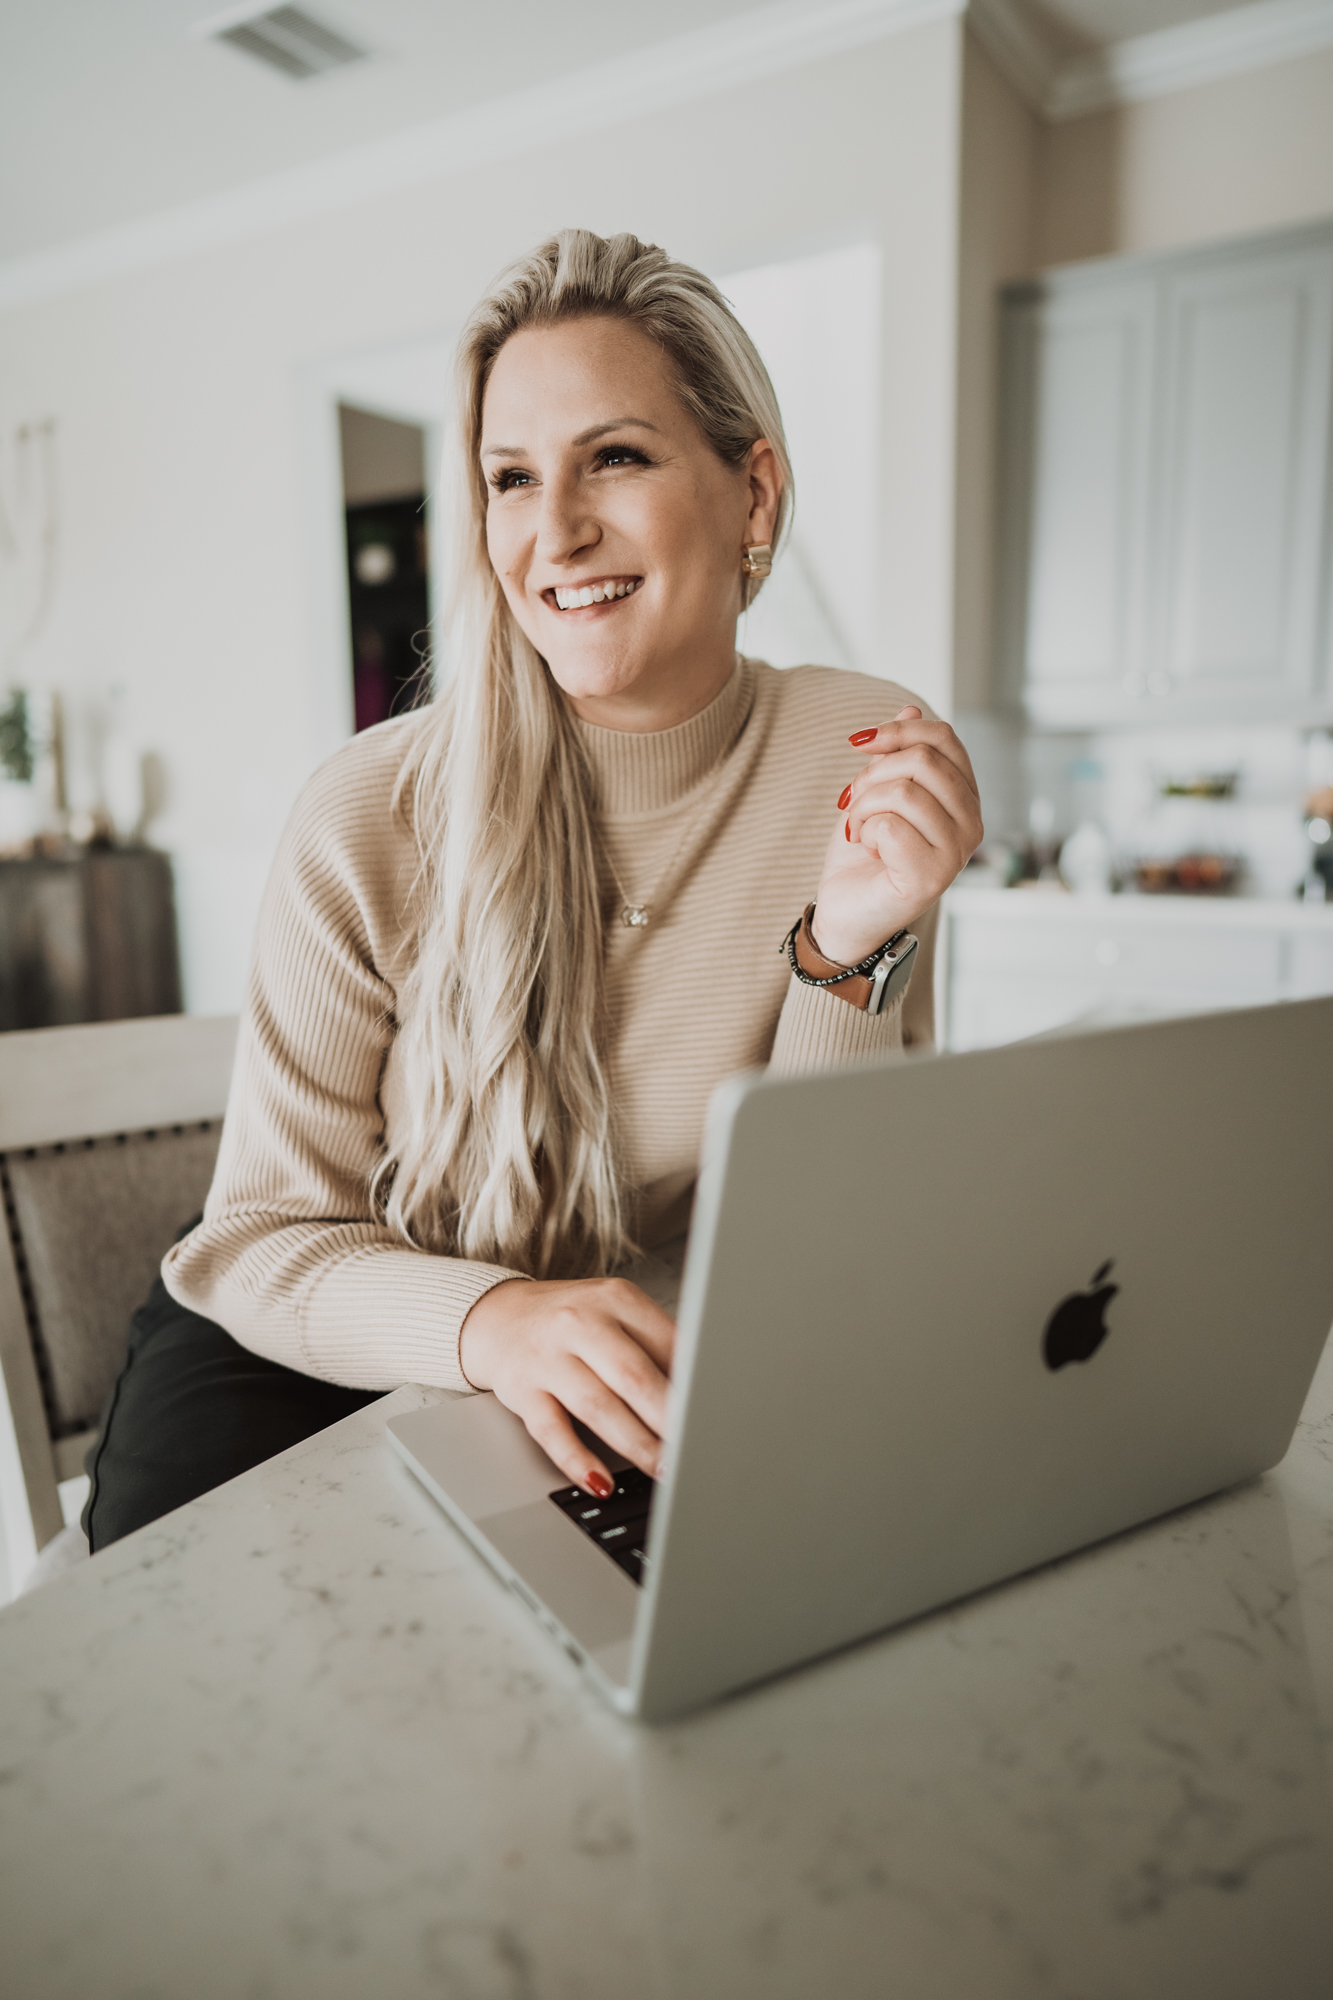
x=735 y=806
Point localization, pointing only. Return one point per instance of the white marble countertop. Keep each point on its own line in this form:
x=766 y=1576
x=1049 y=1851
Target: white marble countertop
x=297 y=1741
x=1055 y=905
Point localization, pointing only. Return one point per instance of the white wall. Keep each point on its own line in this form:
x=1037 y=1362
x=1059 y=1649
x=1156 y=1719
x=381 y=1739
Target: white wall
x=997 y=198
x=819 y=324
x=189 y=561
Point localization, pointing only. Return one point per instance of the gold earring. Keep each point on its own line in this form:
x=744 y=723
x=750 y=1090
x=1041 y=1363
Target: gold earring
x=757 y=559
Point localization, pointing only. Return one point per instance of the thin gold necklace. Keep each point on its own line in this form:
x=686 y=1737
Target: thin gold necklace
x=637 y=913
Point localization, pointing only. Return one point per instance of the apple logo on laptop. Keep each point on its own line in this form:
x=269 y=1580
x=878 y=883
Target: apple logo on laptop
x=1077 y=1327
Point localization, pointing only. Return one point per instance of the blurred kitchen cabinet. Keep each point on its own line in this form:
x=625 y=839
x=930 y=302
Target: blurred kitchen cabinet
x=88 y=937
x=1021 y=962
x=1165 y=486
x=1076 y=456
x=1247 y=369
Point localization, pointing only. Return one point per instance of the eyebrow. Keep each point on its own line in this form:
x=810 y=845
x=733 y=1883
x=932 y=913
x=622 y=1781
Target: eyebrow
x=584 y=437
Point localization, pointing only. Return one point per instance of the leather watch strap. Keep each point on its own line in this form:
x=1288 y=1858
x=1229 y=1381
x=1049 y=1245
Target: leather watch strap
x=870 y=986
x=854 y=989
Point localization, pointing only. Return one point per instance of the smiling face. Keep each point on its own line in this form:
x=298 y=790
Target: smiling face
x=615 y=529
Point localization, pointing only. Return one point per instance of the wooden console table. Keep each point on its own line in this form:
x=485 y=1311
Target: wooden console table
x=88 y=937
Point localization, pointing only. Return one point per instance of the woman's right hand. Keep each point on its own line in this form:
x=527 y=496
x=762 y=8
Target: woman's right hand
x=593 y=1348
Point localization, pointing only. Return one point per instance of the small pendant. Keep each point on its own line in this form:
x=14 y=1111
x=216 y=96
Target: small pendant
x=635 y=916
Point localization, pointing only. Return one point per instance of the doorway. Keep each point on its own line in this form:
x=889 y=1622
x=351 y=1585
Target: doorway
x=388 y=562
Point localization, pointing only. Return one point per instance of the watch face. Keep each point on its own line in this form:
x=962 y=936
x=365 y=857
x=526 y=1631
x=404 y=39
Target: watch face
x=901 y=971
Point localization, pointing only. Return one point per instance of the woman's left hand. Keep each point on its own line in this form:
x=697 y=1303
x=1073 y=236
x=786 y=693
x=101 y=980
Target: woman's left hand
x=906 y=826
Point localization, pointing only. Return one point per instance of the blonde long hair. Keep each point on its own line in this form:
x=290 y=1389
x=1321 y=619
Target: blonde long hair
x=509 y=1149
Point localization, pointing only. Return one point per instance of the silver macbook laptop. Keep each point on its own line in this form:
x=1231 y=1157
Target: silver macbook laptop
x=942 y=1319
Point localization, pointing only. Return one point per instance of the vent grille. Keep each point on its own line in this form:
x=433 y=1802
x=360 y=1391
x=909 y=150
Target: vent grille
x=289 y=39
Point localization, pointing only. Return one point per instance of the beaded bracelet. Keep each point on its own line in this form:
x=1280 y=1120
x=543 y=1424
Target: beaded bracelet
x=865 y=967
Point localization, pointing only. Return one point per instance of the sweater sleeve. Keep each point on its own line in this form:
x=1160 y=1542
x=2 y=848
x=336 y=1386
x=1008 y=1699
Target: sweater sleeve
x=289 y=1257
x=816 y=1030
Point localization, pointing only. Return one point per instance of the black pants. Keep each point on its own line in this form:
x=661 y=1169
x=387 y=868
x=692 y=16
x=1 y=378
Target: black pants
x=192 y=1408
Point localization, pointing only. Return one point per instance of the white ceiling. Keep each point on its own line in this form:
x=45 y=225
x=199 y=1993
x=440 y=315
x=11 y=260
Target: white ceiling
x=112 y=110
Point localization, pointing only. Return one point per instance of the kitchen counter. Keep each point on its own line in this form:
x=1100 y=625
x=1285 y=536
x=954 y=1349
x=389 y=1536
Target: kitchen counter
x=297 y=1740
x=1016 y=962
x=1168 y=912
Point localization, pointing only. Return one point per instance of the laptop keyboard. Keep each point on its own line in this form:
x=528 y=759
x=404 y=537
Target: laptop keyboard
x=618 y=1524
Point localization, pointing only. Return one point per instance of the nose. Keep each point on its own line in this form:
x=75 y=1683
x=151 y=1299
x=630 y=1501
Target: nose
x=567 y=525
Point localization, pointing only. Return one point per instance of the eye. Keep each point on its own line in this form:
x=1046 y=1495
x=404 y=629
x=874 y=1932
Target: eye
x=509 y=477
x=612 y=455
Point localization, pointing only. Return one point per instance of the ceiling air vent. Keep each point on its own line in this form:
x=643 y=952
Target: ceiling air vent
x=289 y=39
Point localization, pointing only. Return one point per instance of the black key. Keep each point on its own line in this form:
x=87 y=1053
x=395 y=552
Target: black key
x=618 y=1524
x=622 y=1534
x=629 y=1502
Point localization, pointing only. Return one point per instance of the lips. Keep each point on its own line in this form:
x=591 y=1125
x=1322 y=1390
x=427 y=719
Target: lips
x=601 y=590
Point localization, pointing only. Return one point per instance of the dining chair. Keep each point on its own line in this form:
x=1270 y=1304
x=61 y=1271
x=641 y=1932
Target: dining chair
x=108 y=1138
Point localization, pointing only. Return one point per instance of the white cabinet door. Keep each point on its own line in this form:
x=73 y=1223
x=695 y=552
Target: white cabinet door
x=1166 y=532
x=1248 y=356
x=1082 y=365
x=1013 y=977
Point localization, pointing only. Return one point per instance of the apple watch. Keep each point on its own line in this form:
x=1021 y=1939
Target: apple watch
x=870 y=985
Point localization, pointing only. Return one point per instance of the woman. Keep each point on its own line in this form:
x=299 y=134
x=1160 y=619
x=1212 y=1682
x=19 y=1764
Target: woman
x=512 y=941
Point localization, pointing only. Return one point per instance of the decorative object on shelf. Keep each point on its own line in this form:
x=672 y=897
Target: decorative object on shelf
x=16 y=758
x=1316 y=886
x=1087 y=861
x=1036 y=862
x=1190 y=875
x=32 y=772
x=1206 y=785
x=123 y=797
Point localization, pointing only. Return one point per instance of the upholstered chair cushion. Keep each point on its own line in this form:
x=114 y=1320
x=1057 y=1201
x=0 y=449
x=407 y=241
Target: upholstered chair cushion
x=91 y=1221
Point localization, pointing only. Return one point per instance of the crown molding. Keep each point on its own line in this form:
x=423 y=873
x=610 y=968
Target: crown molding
x=748 y=47
x=1170 y=59
x=1019 y=46
x=742 y=49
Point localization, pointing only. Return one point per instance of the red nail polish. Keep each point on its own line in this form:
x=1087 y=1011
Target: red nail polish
x=844 y=798
x=598 y=1485
x=847 y=829
x=862 y=736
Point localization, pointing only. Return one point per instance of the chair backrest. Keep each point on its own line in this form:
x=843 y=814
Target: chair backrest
x=108 y=1137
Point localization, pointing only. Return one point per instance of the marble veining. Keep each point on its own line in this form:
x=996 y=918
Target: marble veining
x=296 y=1740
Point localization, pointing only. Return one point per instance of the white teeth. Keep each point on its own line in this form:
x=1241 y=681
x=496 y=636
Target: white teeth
x=599 y=593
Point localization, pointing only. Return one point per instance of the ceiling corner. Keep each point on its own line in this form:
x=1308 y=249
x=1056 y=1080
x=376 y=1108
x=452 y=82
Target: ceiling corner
x=1017 y=45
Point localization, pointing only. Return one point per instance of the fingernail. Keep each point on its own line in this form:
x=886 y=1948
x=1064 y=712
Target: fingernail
x=598 y=1485
x=844 y=798
x=862 y=736
x=847 y=829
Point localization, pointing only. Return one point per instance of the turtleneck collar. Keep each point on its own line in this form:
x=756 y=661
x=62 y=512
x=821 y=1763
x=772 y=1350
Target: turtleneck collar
x=645 y=772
